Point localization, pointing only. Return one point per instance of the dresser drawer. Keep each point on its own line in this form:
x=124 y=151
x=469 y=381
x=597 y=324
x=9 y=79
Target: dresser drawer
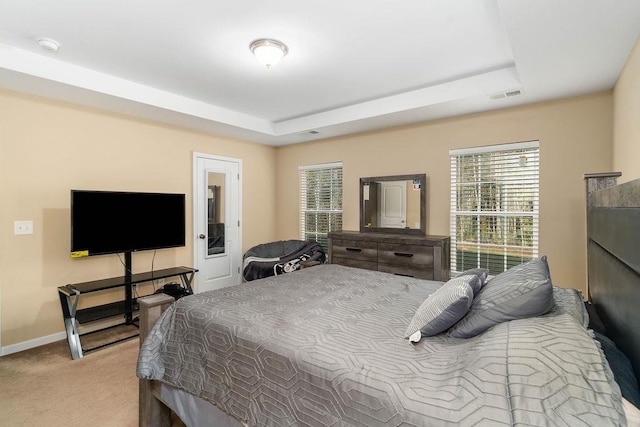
x=356 y=263
x=424 y=257
x=405 y=255
x=354 y=249
x=410 y=271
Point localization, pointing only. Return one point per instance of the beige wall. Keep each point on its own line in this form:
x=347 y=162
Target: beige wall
x=575 y=138
x=48 y=148
x=626 y=122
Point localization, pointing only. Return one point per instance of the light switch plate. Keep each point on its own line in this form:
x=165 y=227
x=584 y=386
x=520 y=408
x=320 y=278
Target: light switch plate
x=22 y=227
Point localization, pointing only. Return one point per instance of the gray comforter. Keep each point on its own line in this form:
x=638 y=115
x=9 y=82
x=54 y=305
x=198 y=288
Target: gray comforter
x=325 y=346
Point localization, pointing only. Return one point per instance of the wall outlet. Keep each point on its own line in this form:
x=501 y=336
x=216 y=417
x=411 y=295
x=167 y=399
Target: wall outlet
x=160 y=283
x=22 y=227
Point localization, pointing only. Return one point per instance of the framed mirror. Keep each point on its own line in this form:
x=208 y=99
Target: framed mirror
x=394 y=204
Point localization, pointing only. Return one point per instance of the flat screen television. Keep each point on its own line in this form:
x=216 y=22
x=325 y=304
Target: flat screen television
x=106 y=222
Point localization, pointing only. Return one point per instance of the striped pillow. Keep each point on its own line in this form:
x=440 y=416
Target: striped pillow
x=443 y=308
x=482 y=274
x=520 y=292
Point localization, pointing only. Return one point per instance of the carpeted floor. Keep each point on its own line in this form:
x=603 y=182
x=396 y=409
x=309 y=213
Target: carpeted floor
x=44 y=387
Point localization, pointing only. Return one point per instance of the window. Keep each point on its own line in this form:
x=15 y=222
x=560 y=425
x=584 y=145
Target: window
x=494 y=206
x=320 y=201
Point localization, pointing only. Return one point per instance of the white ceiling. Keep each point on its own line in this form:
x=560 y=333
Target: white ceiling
x=352 y=66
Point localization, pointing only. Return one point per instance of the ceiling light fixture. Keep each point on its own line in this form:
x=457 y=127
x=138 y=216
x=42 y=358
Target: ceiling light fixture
x=268 y=51
x=48 y=44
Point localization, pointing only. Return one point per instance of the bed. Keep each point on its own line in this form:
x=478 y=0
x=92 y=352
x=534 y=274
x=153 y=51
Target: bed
x=328 y=346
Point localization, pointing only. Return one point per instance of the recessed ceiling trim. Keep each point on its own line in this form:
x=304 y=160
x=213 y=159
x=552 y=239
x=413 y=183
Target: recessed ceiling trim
x=497 y=80
x=26 y=62
x=61 y=72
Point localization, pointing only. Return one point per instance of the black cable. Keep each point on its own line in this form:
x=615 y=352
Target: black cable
x=123 y=264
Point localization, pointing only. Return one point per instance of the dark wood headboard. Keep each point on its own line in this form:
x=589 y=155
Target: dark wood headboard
x=613 y=256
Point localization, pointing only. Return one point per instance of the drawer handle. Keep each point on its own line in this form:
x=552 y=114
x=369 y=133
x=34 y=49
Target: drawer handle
x=403 y=275
x=354 y=249
x=404 y=254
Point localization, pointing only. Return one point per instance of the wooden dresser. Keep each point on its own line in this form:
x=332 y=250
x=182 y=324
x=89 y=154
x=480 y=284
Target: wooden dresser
x=424 y=257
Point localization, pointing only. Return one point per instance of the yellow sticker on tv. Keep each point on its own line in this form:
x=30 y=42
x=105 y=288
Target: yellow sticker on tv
x=79 y=254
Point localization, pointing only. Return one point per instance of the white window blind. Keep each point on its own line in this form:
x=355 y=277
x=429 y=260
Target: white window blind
x=320 y=201
x=494 y=206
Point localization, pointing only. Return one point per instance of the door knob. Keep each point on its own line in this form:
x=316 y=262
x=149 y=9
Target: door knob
x=202 y=236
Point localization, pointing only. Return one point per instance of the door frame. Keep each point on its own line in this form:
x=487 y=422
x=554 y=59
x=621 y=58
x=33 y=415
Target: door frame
x=194 y=200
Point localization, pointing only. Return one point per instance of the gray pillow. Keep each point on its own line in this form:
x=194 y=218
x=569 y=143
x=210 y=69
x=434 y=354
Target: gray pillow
x=482 y=274
x=444 y=307
x=520 y=292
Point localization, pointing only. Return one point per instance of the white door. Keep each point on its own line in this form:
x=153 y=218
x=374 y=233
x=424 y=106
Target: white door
x=393 y=204
x=217 y=211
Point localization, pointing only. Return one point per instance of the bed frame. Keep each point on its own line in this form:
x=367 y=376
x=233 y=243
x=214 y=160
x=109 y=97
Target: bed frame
x=613 y=255
x=613 y=258
x=152 y=411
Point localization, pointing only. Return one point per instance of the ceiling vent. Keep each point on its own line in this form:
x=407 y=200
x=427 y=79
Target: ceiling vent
x=507 y=94
x=309 y=133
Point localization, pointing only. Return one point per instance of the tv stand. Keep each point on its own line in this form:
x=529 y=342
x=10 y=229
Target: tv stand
x=70 y=295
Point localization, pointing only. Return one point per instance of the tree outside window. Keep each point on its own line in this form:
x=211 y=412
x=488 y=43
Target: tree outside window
x=494 y=206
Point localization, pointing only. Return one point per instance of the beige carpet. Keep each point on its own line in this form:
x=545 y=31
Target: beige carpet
x=44 y=387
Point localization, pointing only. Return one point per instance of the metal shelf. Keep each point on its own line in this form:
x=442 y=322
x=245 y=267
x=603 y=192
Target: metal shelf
x=70 y=295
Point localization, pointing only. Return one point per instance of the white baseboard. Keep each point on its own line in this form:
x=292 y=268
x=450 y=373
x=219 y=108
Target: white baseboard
x=36 y=342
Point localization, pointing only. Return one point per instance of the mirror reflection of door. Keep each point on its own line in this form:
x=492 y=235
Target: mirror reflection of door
x=215 y=213
x=393 y=204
